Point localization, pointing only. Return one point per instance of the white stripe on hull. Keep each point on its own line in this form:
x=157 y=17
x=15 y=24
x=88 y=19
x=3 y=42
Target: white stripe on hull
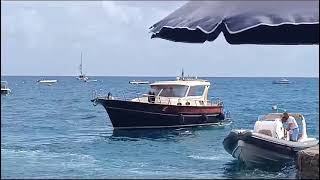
x=174 y=126
x=148 y=112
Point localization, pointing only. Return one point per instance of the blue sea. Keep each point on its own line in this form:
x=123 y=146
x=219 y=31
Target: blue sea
x=56 y=132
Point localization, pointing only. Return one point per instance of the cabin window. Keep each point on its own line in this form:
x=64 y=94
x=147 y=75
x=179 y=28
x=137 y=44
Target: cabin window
x=196 y=91
x=171 y=90
x=3 y=85
x=155 y=89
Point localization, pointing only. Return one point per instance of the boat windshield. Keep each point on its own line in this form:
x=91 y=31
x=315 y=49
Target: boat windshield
x=170 y=90
x=196 y=91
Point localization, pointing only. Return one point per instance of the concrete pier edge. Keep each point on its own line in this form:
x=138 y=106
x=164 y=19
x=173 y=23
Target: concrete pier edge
x=308 y=163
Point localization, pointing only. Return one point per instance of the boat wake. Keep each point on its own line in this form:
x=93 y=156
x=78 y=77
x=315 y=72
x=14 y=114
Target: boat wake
x=218 y=157
x=44 y=155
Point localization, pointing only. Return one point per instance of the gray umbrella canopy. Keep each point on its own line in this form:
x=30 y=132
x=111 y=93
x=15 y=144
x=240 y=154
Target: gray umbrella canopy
x=243 y=22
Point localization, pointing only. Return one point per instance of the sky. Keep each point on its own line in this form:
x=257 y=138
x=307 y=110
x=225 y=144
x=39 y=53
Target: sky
x=46 y=38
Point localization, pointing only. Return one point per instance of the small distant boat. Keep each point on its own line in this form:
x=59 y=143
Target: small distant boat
x=82 y=76
x=281 y=81
x=47 y=81
x=4 y=88
x=91 y=80
x=139 y=82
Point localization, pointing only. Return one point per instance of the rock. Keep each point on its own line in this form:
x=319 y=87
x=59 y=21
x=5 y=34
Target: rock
x=308 y=163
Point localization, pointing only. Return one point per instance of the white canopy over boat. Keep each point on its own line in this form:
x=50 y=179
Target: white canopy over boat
x=261 y=126
x=193 y=92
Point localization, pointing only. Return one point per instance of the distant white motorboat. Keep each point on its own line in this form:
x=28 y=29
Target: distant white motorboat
x=4 y=88
x=281 y=81
x=139 y=82
x=47 y=81
x=91 y=80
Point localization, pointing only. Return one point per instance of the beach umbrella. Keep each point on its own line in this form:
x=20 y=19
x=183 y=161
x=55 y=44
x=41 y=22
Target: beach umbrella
x=242 y=22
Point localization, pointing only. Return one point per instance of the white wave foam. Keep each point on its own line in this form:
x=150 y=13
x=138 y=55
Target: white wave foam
x=219 y=157
x=45 y=155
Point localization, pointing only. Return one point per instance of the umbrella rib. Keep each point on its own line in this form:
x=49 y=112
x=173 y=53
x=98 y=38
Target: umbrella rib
x=192 y=29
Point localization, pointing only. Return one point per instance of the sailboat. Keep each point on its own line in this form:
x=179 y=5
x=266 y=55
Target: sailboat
x=82 y=76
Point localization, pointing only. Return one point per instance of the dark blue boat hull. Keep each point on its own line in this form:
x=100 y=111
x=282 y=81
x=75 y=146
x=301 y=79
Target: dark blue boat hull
x=135 y=115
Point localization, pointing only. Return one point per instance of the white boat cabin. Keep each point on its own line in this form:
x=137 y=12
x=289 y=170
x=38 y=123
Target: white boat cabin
x=183 y=92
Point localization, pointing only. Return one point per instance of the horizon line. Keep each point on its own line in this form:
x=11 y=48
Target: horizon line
x=161 y=76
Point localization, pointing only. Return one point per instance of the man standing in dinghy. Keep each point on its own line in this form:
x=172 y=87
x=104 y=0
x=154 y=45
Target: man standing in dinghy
x=292 y=126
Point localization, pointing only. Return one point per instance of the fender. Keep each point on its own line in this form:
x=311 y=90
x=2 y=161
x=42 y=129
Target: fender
x=204 y=118
x=181 y=119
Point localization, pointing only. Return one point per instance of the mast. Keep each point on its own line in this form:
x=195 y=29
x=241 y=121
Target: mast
x=81 y=65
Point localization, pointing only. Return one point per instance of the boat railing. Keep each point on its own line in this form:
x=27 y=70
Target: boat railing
x=227 y=115
x=215 y=101
x=96 y=94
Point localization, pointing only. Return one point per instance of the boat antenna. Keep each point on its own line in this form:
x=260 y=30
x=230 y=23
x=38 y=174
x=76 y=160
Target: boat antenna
x=182 y=74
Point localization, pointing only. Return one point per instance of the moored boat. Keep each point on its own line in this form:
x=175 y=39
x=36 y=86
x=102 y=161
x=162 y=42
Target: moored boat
x=268 y=142
x=281 y=81
x=4 y=88
x=82 y=76
x=50 y=81
x=139 y=82
x=91 y=80
x=169 y=104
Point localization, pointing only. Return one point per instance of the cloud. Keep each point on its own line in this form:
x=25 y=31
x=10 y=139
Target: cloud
x=26 y=24
x=49 y=37
x=121 y=13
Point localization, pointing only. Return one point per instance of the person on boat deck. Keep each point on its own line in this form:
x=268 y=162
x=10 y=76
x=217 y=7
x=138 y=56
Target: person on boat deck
x=292 y=126
x=151 y=97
